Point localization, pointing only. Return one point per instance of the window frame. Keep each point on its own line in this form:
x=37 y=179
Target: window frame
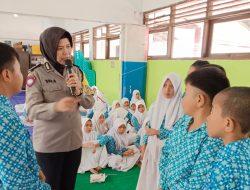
x=82 y=41
x=107 y=37
x=209 y=22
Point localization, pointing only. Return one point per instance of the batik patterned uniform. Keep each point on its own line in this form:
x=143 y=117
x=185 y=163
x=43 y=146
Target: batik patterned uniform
x=110 y=143
x=187 y=156
x=18 y=165
x=231 y=170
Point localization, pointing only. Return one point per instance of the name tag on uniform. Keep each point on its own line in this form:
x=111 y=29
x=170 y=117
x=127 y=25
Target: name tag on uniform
x=50 y=81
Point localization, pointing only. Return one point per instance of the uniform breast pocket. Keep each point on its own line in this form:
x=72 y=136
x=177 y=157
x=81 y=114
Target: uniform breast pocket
x=53 y=93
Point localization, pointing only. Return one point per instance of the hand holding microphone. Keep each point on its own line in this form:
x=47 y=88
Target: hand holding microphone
x=72 y=80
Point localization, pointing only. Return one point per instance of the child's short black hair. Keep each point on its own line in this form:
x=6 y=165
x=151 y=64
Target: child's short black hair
x=7 y=57
x=210 y=80
x=199 y=64
x=236 y=104
x=217 y=66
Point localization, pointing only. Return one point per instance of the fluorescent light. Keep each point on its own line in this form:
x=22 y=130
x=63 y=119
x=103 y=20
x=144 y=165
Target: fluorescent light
x=15 y=15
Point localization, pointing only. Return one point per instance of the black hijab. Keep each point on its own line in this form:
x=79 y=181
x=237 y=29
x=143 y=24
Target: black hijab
x=49 y=41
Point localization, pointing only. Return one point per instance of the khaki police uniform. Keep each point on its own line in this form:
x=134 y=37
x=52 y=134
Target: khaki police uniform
x=53 y=131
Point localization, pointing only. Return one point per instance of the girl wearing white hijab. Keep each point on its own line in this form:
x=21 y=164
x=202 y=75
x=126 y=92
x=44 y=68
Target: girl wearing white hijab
x=117 y=112
x=123 y=155
x=139 y=115
x=167 y=110
x=136 y=96
x=125 y=103
x=94 y=158
x=100 y=100
x=115 y=104
x=132 y=107
x=99 y=122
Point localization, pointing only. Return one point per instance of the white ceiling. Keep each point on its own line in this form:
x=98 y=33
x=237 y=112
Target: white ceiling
x=75 y=15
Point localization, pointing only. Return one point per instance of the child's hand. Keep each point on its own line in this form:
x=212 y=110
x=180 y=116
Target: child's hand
x=42 y=176
x=129 y=152
x=88 y=145
x=151 y=132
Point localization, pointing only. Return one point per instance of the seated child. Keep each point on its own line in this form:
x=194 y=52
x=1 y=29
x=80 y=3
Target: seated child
x=136 y=96
x=229 y=120
x=139 y=115
x=100 y=100
x=94 y=158
x=99 y=122
x=132 y=107
x=125 y=103
x=123 y=155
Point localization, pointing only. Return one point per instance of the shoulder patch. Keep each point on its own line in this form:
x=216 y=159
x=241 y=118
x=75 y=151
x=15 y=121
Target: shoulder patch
x=31 y=79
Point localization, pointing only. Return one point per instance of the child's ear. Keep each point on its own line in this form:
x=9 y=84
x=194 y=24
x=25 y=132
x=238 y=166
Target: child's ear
x=201 y=100
x=229 y=125
x=5 y=75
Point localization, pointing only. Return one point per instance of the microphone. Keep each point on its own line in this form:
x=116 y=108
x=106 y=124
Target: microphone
x=69 y=65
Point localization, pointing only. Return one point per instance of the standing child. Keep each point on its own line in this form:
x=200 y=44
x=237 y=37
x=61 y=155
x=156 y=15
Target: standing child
x=229 y=120
x=18 y=165
x=188 y=153
x=198 y=64
x=94 y=158
x=165 y=111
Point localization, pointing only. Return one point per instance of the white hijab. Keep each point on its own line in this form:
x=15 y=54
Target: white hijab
x=134 y=99
x=122 y=140
x=130 y=110
x=171 y=108
x=114 y=104
x=100 y=100
x=91 y=136
x=100 y=128
x=140 y=116
x=117 y=113
x=123 y=102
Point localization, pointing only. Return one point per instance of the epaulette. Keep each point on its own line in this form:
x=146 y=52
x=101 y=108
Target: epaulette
x=33 y=68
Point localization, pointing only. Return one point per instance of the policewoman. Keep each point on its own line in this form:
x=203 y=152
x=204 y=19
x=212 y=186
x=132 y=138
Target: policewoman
x=57 y=135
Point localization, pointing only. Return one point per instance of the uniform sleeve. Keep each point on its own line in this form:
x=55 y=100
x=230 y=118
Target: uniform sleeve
x=103 y=139
x=164 y=133
x=135 y=123
x=162 y=166
x=18 y=169
x=110 y=144
x=37 y=109
x=202 y=166
x=137 y=141
x=144 y=140
x=87 y=101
